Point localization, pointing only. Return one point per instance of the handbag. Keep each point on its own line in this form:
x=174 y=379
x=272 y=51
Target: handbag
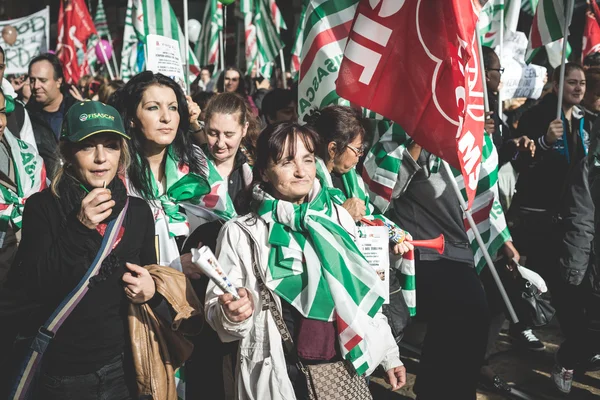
x=535 y=310
x=23 y=388
x=329 y=381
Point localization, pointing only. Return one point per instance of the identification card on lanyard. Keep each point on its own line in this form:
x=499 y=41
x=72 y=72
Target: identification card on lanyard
x=374 y=244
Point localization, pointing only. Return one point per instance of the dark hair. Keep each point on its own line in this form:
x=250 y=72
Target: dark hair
x=592 y=60
x=592 y=81
x=107 y=90
x=202 y=99
x=52 y=59
x=270 y=147
x=241 y=89
x=570 y=66
x=276 y=100
x=489 y=55
x=127 y=101
x=2 y=52
x=338 y=124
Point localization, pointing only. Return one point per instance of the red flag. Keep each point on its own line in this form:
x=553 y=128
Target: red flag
x=591 y=32
x=75 y=25
x=416 y=63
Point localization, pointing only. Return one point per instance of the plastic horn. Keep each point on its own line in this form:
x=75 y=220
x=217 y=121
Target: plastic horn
x=436 y=244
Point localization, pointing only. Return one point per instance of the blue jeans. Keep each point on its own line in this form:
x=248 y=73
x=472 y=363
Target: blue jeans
x=107 y=383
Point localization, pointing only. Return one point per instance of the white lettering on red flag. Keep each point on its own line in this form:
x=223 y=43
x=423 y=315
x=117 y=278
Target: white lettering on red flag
x=416 y=63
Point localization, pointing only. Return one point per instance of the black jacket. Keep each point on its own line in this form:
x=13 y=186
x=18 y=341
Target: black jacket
x=542 y=179
x=45 y=137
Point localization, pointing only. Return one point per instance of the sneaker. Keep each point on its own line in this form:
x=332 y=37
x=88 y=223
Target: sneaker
x=528 y=339
x=563 y=378
x=593 y=364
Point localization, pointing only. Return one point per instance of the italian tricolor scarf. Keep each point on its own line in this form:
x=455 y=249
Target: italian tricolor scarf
x=30 y=178
x=344 y=288
x=354 y=186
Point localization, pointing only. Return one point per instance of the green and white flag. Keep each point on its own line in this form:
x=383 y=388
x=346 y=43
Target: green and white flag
x=297 y=48
x=103 y=33
x=251 y=49
x=207 y=47
x=345 y=289
x=267 y=38
x=547 y=29
x=354 y=186
x=146 y=17
x=382 y=167
x=489 y=20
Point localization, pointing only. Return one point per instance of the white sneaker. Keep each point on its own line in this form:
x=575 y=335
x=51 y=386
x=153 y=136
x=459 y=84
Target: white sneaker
x=563 y=378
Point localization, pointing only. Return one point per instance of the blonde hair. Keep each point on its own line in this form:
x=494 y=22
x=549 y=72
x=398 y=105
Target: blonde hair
x=66 y=150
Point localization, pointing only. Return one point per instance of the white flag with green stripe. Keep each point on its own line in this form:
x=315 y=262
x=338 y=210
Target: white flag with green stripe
x=103 y=33
x=490 y=20
x=297 y=47
x=326 y=30
x=207 y=46
x=546 y=29
x=267 y=38
x=146 y=17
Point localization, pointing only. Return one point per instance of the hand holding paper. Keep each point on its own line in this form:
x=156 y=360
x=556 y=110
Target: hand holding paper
x=206 y=261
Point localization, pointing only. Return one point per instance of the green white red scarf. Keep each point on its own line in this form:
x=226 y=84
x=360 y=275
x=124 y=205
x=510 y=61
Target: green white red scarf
x=354 y=186
x=345 y=288
x=30 y=178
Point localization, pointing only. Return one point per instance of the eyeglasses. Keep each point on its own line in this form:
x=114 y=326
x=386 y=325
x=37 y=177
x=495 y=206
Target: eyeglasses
x=501 y=70
x=357 y=151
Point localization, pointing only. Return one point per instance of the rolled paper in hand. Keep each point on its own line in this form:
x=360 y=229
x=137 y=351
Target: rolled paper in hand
x=206 y=261
x=397 y=235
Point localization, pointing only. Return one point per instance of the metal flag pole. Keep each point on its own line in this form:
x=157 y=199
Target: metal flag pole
x=107 y=62
x=561 y=83
x=486 y=101
x=283 y=78
x=500 y=54
x=222 y=39
x=186 y=71
x=467 y=210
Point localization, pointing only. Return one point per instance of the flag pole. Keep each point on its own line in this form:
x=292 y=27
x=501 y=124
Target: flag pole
x=500 y=54
x=486 y=101
x=283 y=78
x=107 y=61
x=186 y=71
x=467 y=210
x=561 y=83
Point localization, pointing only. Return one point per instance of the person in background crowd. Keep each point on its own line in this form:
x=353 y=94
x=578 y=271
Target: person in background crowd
x=279 y=105
x=48 y=106
x=107 y=89
x=16 y=157
x=591 y=99
x=341 y=144
x=560 y=146
x=231 y=80
x=424 y=204
x=506 y=148
x=90 y=357
x=284 y=188
x=591 y=60
x=83 y=86
x=228 y=121
x=205 y=76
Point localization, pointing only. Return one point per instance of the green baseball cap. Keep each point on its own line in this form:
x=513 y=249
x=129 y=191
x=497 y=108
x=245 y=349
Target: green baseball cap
x=87 y=118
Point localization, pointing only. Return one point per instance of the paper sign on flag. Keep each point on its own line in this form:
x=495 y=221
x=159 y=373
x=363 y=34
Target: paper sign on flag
x=164 y=57
x=373 y=242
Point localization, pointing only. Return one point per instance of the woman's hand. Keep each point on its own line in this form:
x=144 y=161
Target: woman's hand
x=555 y=131
x=524 y=144
x=95 y=207
x=139 y=285
x=396 y=377
x=490 y=126
x=356 y=207
x=75 y=93
x=188 y=267
x=237 y=310
x=194 y=114
x=404 y=247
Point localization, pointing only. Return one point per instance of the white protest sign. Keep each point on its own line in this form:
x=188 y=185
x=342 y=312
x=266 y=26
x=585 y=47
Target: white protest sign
x=163 y=56
x=33 y=39
x=519 y=79
x=374 y=244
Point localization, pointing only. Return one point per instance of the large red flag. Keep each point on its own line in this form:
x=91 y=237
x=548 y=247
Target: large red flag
x=591 y=32
x=416 y=63
x=75 y=25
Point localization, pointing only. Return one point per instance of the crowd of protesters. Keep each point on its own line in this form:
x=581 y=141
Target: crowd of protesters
x=114 y=175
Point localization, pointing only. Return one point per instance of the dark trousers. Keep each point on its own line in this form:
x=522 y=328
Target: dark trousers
x=107 y=383
x=451 y=300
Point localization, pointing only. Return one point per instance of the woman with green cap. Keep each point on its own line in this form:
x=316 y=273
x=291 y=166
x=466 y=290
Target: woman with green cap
x=87 y=218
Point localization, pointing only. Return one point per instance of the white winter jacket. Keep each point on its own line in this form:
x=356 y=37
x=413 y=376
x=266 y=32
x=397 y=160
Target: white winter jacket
x=262 y=372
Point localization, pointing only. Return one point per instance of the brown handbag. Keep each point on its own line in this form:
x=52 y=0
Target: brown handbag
x=330 y=381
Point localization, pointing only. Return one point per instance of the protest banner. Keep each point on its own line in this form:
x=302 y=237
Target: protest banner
x=164 y=57
x=520 y=79
x=33 y=38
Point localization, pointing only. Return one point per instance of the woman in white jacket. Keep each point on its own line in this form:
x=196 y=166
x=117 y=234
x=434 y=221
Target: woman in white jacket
x=301 y=246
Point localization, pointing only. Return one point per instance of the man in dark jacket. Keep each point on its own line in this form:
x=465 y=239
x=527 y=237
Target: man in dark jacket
x=48 y=106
